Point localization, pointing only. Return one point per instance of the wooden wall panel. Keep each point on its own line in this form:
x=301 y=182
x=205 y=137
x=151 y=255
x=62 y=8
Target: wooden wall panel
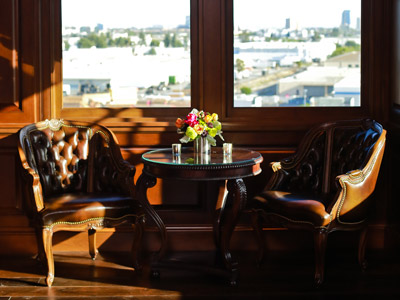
x=8 y=55
x=7 y=186
x=30 y=79
x=19 y=63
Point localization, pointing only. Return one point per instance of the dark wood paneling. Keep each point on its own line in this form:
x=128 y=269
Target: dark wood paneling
x=393 y=145
x=8 y=170
x=8 y=55
x=30 y=90
x=19 y=63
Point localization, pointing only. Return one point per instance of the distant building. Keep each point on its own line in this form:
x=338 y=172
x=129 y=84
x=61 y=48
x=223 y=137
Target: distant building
x=328 y=86
x=187 y=22
x=262 y=54
x=345 y=19
x=99 y=27
x=287 y=23
x=358 y=26
x=292 y=24
x=70 y=30
x=85 y=29
x=347 y=60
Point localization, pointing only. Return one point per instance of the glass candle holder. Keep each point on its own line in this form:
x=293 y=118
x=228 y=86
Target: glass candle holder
x=176 y=149
x=227 y=149
x=176 y=159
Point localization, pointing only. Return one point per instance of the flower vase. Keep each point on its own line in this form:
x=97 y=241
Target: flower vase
x=201 y=146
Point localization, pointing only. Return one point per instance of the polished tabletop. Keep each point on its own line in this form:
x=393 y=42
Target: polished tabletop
x=189 y=165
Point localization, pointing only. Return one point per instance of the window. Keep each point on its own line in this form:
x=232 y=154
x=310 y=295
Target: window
x=297 y=53
x=125 y=53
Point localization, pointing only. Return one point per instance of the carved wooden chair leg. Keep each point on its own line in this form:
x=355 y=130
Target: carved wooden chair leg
x=257 y=227
x=137 y=242
x=320 y=240
x=92 y=243
x=361 y=248
x=47 y=235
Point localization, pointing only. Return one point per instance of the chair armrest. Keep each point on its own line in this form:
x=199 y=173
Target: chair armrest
x=108 y=171
x=277 y=177
x=275 y=165
x=121 y=165
x=33 y=179
x=358 y=185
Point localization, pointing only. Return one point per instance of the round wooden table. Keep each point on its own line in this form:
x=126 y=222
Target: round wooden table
x=229 y=170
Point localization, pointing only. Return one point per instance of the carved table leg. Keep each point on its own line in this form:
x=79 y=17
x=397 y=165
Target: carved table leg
x=144 y=182
x=228 y=213
x=137 y=243
x=222 y=196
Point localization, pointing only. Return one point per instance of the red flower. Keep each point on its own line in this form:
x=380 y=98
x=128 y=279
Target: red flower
x=191 y=120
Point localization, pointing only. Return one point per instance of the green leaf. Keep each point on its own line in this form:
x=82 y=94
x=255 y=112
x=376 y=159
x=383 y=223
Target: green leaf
x=185 y=139
x=211 y=140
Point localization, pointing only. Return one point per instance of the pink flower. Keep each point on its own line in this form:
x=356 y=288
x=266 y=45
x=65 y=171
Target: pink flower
x=191 y=120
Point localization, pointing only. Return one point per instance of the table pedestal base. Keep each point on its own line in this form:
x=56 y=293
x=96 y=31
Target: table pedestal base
x=231 y=201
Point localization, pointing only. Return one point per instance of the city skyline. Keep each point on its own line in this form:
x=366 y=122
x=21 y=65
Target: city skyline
x=125 y=13
x=307 y=13
x=269 y=14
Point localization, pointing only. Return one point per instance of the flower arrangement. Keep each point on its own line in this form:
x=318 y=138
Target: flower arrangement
x=199 y=124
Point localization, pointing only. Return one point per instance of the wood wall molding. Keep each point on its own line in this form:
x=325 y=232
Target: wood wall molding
x=19 y=63
x=180 y=238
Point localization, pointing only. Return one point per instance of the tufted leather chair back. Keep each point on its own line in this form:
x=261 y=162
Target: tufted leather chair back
x=328 y=151
x=70 y=157
x=308 y=171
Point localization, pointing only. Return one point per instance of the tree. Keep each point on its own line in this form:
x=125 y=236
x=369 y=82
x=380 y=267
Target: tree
x=349 y=46
x=111 y=43
x=167 y=40
x=316 y=37
x=84 y=42
x=246 y=90
x=152 y=51
x=100 y=41
x=335 y=32
x=352 y=44
x=244 y=37
x=175 y=42
x=66 y=45
x=93 y=40
x=122 y=42
x=240 y=65
x=142 y=38
x=155 y=43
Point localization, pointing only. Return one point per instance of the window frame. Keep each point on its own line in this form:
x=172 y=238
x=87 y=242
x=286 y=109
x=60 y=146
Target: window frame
x=212 y=80
x=117 y=115
x=275 y=117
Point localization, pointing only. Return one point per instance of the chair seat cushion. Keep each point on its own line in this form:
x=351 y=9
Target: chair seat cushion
x=294 y=207
x=75 y=208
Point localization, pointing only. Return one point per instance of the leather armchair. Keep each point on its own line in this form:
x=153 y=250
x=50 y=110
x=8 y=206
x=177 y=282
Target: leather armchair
x=77 y=180
x=325 y=186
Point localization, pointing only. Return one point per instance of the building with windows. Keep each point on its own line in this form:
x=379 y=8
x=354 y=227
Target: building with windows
x=345 y=19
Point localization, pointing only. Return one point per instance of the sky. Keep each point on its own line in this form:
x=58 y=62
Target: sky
x=248 y=14
x=307 y=13
x=125 y=13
